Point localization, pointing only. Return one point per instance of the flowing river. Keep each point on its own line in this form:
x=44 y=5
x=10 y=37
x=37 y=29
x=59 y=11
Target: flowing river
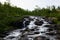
x=34 y=27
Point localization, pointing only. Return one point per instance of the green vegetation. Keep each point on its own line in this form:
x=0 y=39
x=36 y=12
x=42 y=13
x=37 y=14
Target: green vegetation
x=9 y=14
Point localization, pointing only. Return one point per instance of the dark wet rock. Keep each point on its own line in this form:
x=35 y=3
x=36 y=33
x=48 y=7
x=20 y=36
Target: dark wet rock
x=58 y=33
x=27 y=23
x=41 y=38
x=30 y=19
x=39 y=23
x=57 y=26
x=50 y=19
x=51 y=22
x=32 y=29
x=47 y=26
x=1 y=38
x=24 y=37
x=36 y=32
x=52 y=33
x=11 y=37
x=3 y=34
x=50 y=29
x=17 y=24
x=58 y=37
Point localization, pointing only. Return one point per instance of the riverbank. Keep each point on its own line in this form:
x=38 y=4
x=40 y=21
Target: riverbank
x=12 y=15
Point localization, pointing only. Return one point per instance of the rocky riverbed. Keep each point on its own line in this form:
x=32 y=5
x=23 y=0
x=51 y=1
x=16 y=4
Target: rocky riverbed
x=34 y=28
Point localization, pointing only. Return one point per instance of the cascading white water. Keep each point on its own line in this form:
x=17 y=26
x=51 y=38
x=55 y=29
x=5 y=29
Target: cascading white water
x=38 y=27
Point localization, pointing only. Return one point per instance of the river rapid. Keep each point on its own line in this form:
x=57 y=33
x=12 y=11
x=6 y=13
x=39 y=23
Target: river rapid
x=35 y=28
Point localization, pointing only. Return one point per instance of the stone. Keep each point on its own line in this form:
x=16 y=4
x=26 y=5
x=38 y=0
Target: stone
x=39 y=23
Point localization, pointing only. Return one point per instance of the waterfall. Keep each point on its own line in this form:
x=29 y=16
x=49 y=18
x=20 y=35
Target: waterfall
x=34 y=26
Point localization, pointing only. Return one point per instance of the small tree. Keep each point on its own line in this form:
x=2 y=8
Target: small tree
x=58 y=8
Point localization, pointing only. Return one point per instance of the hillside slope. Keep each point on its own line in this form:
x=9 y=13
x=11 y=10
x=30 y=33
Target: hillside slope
x=10 y=14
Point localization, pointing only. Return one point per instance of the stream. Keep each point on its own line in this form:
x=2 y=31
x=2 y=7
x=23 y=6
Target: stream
x=35 y=28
